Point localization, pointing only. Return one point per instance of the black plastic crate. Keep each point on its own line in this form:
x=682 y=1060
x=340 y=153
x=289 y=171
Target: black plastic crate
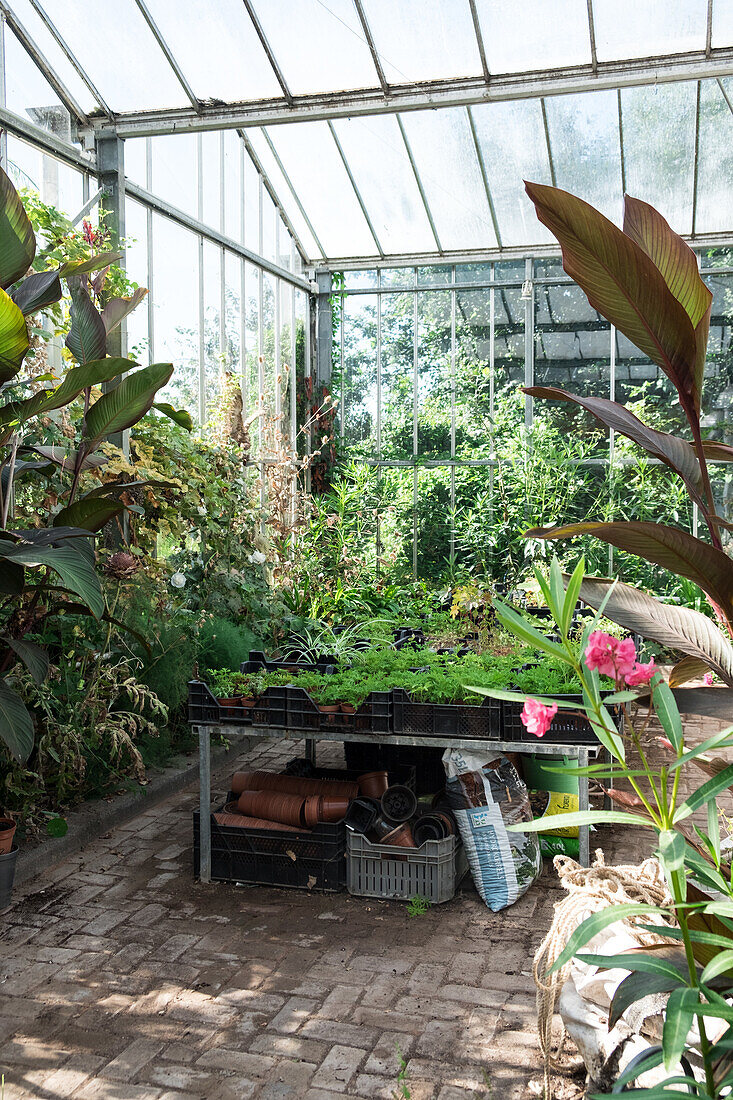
x=205 y=709
x=258 y=662
x=566 y=729
x=445 y=719
x=313 y=859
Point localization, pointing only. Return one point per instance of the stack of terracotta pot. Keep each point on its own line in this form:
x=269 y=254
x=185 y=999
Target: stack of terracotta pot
x=389 y=814
x=288 y=803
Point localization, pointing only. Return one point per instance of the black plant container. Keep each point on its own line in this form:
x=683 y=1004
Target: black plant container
x=7 y=876
x=398 y=803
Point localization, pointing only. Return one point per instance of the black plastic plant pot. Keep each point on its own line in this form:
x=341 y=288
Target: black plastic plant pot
x=7 y=876
x=428 y=827
x=362 y=814
x=399 y=803
x=301 y=767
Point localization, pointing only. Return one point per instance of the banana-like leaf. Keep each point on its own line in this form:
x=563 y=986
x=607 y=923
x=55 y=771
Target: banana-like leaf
x=74 y=382
x=673 y=451
x=126 y=403
x=624 y=284
x=84 y=267
x=716 y=451
x=16 y=725
x=14 y=339
x=636 y=986
x=87 y=339
x=181 y=417
x=17 y=239
x=33 y=657
x=66 y=460
x=73 y=566
x=676 y=627
x=670 y=547
x=118 y=308
x=689 y=668
x=678 y=265
x=93 y=513
x=37 y=291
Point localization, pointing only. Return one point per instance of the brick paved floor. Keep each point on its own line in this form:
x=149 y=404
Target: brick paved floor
x=123 y=979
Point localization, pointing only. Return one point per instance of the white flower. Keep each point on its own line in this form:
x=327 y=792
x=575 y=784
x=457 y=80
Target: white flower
x=257 y=558
x=178 y=580
x=201 y=510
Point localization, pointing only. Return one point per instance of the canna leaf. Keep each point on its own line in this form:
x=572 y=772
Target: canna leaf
x=17 y=239
x=16 y=725
x=87 y=338
x=14 y=339
x=126 y=403
x=117 y=309
x=37 y=291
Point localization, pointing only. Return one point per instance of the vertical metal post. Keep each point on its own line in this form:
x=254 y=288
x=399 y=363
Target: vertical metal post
x=278 y=354
x=3 y=96
x=202 y=314
x=453 y=412
x=378 y=352
x=611 y=434
x=528 y=343
x=150 y=301
x=310 y=328
x=342 y=400
x=492 y=390
x=111 y=173
x=293 y=405
x=204 y=733
x=324 y=330
x=223 y=341
x=583 y=804
x=414 y=432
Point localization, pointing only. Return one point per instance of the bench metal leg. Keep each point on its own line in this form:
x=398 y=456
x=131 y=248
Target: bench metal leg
x=583 y=804
x=204 y=803
x=310 y=750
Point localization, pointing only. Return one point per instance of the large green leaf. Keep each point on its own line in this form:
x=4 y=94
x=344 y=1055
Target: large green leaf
x=17 y=239
x=74 y=382
x=624 y=284
x=676 y=627
x=84 y=267
x=181 y=417
x=126 y=403
x=33 y=657
x=72 y=564
x=670 y=449
x=90 y=512
x=720 y=782
x=118 y=308
x=14 y=339
x=678 y=1018
x=37 y=291
x=636 y=986
x=549 y=822
x=67 y=460
x=641 y=961
x=670 y=547
x=87 y=338
x=596 y=923
x=16 y=725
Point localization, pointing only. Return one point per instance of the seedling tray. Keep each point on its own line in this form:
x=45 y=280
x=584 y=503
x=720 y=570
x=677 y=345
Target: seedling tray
x=460 y=720
x=309 y=860
x=433 y=871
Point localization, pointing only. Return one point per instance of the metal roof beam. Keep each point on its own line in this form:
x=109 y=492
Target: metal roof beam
x=479 y=40
x=357 y=192
x=70 y=57
x=484 y=174
x=268 y=51
x=372 y=45
x=418 y=181
x=415 y=97
x=288 y=181
x=154 y=202
x=41 y=63
x=48 y=142
x=160 y=39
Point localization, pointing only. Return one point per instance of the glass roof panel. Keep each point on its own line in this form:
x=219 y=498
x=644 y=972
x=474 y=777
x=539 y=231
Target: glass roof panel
x=534 y=34
x=456 y=198
x=55 y=56
x=512 y=140
x=283 y=192
x=376 y=153
x=27 y=91
x=211 y=42
x=660 y=170
x=312 y=161
x=140 y=78
x=584 y=139
x=423 y=41
x=319 y=46
x=715 y=159
x=648 y=28
x=722 y=23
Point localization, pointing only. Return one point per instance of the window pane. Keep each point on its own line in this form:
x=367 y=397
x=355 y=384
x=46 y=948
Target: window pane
x=586 y=151
x=213 y=365
x=397 y=375
x=176 y=311
x=434 y=374
x=211 y=167
x=282 y=190
x=136 y=263
x=643 y=28
x=424 y=41
x=175 y=173
x=359 y=374
x=715 y=159
x=473 y=373
x=536 y=34
x=53 y=53
x=232 y=185
x=58 y=184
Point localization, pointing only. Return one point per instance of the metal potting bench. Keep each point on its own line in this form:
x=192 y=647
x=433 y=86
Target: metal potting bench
x=582 y=753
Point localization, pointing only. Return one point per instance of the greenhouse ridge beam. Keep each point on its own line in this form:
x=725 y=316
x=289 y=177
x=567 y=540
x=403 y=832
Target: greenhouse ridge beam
x=415 y=97
x=48 y=142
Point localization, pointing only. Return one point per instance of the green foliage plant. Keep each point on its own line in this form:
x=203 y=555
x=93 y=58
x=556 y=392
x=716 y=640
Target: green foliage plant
x=645 y=280
x=699 y=974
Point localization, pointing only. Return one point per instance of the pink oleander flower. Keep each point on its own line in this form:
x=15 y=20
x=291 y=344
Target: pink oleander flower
x=708 y=679
x=665 y=741
x=614 y=657
x=641 y=674
x=537 y=717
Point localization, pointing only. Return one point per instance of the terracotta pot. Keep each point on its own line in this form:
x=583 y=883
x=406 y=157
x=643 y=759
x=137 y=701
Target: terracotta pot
x=7 y=832
x=247 y=701
x=240 y=821
x=348 y=708
x=329 y=708
x=230 y=706
x=400 y=837
x=373 y=784
x=333 y=809
x=292 y=784
x=312 y=810
x=272 y=806
x=399 y=803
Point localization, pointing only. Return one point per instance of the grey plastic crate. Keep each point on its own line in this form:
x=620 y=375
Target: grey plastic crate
x=385 y=871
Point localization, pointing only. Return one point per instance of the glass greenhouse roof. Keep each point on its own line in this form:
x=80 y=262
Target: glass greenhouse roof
x=404 y=128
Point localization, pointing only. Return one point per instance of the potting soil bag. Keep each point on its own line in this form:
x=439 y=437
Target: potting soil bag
x=486 y=794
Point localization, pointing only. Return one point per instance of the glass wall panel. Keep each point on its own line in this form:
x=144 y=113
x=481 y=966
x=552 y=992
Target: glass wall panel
x=213 y=365
x=136 y=262
x=53 y=53
x=398 y=374
x=251 y=183
x=434 y=374
x=433 y=522
x=659 y=170
x=176 y=311
x=715 y=160
x=643 y=28
x=360 y=387
x=136 y=164
x=282 y=190
x=29 y=94
x=458 y=203
x=473 y=383
x=233 y=314
x=210 y=146
x=57 y=183
x=718 y=386
x=232 y=185
x=175 y=172
x=252 y=341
